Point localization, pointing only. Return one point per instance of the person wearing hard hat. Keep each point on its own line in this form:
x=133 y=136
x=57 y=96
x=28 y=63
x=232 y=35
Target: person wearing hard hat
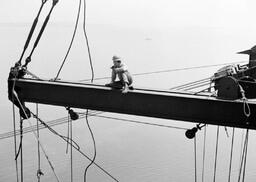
x=120 y=70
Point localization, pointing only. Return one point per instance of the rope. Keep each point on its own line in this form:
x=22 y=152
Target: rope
x=68 y=134
x=28 y=59
x=76 y=147
x=245 y=158
x=87 y=42
x=39 y=172
x=21 y=151
x=231 y=154
x=170 y=70
x=31 y=31
x=71 y=151
x=195 y=158
x=245 y=103
x=191 y=84
x=14 y=129
x=95 y=114
x=46 y=156
x=216 y=155
x=71 y=42
x=94 y=146
x=204 y=154
x=144 y=123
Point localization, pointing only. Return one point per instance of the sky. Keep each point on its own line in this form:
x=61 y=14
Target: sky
x=142 y=13
x=186 y=34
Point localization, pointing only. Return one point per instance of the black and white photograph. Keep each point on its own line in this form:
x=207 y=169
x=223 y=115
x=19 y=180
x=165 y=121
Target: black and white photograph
x=127 y=91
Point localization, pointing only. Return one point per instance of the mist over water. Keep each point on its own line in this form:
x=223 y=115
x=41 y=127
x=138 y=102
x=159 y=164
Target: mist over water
x=130 y=152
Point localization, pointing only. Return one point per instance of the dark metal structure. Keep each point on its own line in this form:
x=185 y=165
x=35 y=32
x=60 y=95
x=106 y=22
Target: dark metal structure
x=143 y=102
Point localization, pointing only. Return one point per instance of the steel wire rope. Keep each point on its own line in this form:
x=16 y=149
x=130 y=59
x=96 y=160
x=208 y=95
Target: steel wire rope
x=71 y=42
x=241 y=156
x=168 y=70
x=39 y=171
x=195 y=158
x=87 y=42
x=245 y=158
x=204 y=147
x=14 y=129
x=81 y=116
x=92 y=78
x=231 y=154
x=191 y=84
x=77 y=148
x=28 y=59
x=70 y=138
x=32 y=128
x=46 y=156
x=216 y=154
x=94 y=146
x=144 y=123
x=31 y=30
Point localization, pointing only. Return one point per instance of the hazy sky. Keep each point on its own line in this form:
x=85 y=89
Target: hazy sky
x=220 y=13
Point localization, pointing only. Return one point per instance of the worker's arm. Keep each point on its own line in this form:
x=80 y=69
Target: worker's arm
x=121 y=69
x=113 y=76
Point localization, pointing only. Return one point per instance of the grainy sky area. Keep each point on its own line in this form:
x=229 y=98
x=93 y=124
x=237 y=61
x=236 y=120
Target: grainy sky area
x=161 y=13
x=150 y=36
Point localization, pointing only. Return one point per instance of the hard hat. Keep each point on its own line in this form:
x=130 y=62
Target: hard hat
x=116 y=58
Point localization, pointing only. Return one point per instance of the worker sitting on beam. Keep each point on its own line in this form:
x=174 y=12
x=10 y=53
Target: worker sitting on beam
x=125 y=79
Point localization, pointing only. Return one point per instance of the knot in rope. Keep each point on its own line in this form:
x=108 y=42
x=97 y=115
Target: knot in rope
x=246 y=107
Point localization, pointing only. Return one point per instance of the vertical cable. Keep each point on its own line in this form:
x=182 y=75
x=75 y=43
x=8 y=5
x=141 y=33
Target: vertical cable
x=195 y=158
x=14 y=130
x=39 y=172
x=71 y=42
x=245 y=157
x=71 y=152
x=231 y=154
x=68 y=135
x=94 y=145
x=242 y=158
x=87 y=42
x=21 y=150
x=204 y=154
x=15 y=142
x=216 y=154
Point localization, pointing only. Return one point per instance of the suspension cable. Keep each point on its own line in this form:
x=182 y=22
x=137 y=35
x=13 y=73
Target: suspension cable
x=94 y=146
x=245 y=158
x=28 y=59
x=168 y=70
x=231 y=154
x=31 y=31
x=46 y=156
x=14 y=131
x=216 y=154
x=87 y=42
x=204 y=147
x=21 y=150
x=195 y=158
x=95 y=114
x=241 y=158
x=71 y=148
x=39 y=171
x=191 y=84
x=76 y=147
x=71 y=42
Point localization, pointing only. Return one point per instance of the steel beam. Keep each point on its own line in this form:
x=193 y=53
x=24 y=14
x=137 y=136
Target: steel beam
x=141 y=102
